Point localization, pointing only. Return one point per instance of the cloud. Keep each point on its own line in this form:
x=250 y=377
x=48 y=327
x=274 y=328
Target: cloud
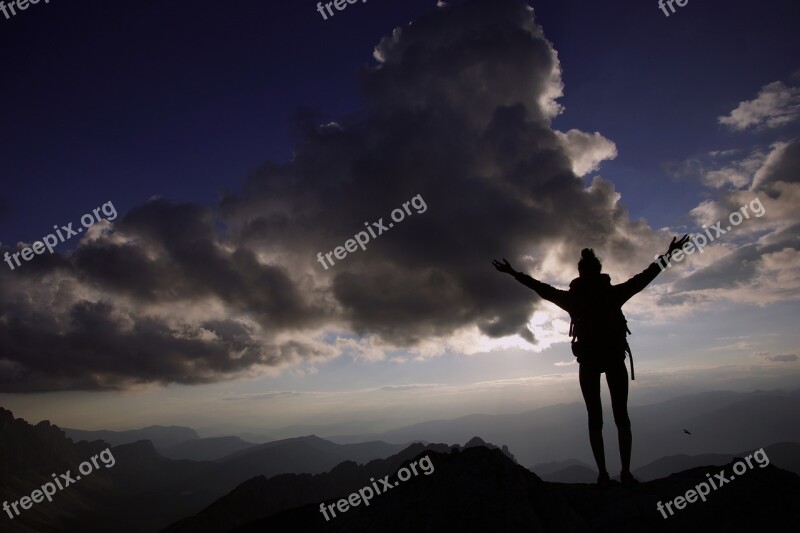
x=269 y=395
x=729 y=347
x=781 y=165
x=717 y=154
x=781 y=358
x=784 y=358
x=457 y=109
x=690 y=168
x=410 y=386
x=755 y=262
x=586 y=151
x=776 y=105
x=737 y=175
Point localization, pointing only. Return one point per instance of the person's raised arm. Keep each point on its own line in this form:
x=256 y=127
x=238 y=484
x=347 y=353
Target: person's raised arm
x=548 y=292
x=638 y=282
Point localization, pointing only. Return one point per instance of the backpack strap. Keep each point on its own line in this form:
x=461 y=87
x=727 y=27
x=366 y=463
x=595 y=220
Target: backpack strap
x=630 y=354
x=573 y=333
x=627 y=346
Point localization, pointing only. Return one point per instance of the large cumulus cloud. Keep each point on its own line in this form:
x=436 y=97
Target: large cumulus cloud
x=457 y=109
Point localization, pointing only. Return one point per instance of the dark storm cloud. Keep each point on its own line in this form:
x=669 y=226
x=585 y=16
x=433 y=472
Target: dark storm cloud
x=101 y=318
x=458 y=111
x=94 y=350
x=191 y=264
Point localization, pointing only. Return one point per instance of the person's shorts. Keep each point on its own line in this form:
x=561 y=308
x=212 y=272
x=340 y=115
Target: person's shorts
x=602 y=361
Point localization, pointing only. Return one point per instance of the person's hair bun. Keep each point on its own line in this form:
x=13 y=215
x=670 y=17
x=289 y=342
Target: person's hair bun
x=589 y=263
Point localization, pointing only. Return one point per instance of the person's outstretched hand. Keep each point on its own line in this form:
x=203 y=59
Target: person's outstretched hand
x=677 y=244
x=504 y=266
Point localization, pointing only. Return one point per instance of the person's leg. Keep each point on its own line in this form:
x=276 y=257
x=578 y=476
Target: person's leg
x=590 y=388
x=617 y=379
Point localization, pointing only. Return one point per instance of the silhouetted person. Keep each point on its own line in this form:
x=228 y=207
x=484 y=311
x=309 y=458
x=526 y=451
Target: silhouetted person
x=599 y=341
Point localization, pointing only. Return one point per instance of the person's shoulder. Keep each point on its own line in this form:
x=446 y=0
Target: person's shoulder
x=575 y=283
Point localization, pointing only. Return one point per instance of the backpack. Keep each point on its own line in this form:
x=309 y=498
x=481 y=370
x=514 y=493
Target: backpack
x=597 y=325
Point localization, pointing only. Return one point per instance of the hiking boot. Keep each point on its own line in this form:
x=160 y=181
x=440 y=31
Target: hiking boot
x=603 y=480
x=626 y=478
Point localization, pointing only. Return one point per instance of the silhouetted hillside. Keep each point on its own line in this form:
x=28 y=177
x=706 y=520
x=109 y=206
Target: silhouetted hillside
x=476 y=489
x=28 y=456
x=477 y=441
x=25 y=448
x=677 y=463
x=260 y=497
x=480 y=490
x=784 y=455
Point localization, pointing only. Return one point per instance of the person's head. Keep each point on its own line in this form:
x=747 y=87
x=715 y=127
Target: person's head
x=589 y=265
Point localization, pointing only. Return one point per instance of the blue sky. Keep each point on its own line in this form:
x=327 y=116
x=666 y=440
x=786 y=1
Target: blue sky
x=172 y=112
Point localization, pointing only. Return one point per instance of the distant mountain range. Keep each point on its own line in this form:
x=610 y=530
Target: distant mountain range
x=209 y=449
x=720 y=422
x=220 y=483
x=174 y=442
x=553 y=433
x=144 y=491
x=162 y=437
